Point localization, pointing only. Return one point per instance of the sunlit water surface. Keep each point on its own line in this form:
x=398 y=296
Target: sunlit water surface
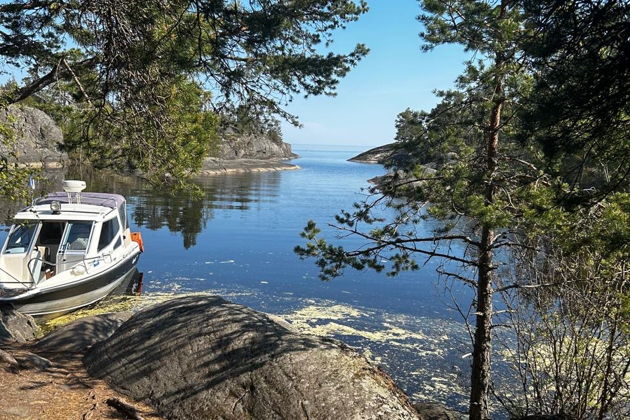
x=237 y=241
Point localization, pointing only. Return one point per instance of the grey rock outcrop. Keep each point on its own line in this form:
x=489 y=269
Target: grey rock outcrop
x=15 y=326
x=79 y=335
x=202 y=357
x=254 y=146
x=28 y=360
x=384 y=155
x=378 y=154
x=37 y=137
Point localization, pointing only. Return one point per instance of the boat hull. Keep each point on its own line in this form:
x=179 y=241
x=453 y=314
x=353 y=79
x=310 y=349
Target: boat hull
x=67 y=298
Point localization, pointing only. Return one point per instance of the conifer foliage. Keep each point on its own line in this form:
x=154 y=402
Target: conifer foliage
x=498 y=163
x=130 y=68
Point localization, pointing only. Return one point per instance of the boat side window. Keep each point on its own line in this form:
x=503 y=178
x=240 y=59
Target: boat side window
x=78 y=235
x=109 y=231
x=122 y=211
x=20 y=239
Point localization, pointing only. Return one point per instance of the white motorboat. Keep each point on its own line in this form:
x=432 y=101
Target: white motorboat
x=68 y=250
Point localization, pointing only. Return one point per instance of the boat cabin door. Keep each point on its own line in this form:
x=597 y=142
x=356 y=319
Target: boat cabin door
x=19 y=261
x=74 y=244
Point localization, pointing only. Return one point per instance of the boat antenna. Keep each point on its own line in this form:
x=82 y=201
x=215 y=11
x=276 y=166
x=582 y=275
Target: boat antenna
x=72 y=186
x=32 y=184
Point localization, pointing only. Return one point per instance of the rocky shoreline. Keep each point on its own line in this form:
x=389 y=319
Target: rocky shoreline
x=379 y=154
x=215 y=166
x=41 y=381
x=39 y=143
x=192 y=357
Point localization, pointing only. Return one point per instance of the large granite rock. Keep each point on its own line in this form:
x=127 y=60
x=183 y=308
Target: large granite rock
x=37 y=137
x=205 y=358
x=379 y=154
x=79 y=335
x=16 y=326
x=254 y=146
x=385 y=155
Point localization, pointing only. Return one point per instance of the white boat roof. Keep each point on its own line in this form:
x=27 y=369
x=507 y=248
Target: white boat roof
x=94 y=198
x=93 y=206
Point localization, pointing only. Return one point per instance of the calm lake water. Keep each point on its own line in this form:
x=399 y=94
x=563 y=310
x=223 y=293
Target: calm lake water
x=237 y=241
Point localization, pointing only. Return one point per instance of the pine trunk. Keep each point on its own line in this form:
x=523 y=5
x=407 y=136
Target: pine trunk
x=480 y=374
x=482 y=349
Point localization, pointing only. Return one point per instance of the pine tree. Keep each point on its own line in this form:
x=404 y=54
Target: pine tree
x=483 y=183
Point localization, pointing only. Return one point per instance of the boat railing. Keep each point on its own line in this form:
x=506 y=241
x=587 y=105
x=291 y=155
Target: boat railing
x=31 y=269
x=83 y=261
x=39 y=200
x=31 y=266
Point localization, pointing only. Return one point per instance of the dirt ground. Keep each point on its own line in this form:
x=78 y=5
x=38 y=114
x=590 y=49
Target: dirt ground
x=62 y=390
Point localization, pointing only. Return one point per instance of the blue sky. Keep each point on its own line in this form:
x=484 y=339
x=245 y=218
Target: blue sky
x=394 y=76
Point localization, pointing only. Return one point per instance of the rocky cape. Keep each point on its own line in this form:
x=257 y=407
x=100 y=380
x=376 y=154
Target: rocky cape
x=387 y=154
x=194 y=357
x=217 y=166
x=252 y=152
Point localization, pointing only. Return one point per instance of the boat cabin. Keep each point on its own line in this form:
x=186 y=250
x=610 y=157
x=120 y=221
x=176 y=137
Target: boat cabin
x=63 y=232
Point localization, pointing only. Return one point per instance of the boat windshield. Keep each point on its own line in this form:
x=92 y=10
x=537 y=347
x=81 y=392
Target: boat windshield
x=20 y=239
x=78 y=236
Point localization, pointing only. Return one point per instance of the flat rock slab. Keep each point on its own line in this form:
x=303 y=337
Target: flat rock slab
x=201 y=357
x=214 y=166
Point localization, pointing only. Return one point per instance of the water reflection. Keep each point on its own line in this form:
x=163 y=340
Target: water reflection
x=156 y=208
x=130 y=286
x=240 y=191
x=179 y=213
x=189 y=214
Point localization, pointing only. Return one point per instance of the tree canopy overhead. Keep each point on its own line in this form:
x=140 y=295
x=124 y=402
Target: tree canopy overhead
x=258 y=51
x=125 y=67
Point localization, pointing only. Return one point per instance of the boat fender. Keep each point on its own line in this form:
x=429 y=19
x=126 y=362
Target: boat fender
x=78 y=270
x=137 y=238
